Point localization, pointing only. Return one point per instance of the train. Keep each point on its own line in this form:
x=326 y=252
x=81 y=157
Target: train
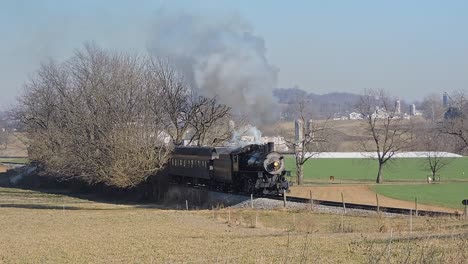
x=252 y=169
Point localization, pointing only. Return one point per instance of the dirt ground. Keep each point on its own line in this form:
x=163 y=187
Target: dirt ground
x=361 y=194
x=3 y=168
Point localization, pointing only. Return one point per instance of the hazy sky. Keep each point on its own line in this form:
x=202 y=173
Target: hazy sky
x=410 y=48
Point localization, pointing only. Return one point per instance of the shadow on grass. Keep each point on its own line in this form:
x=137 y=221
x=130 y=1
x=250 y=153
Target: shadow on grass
x=40 y=206
x=154 y=193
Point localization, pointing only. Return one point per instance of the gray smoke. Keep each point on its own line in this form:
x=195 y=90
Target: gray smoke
x=219 y=57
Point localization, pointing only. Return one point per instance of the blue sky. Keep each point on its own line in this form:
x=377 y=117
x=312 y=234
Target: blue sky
x=411 y=48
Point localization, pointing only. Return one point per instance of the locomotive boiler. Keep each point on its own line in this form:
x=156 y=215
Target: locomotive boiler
x=253 y=169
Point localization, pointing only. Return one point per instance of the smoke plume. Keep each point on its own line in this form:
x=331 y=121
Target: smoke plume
x=219 y=57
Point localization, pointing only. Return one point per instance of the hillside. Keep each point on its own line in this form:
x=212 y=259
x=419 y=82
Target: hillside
x=345 y=135
x=323 y=105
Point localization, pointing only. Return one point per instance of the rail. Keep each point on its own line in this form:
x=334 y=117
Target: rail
x=394 y=210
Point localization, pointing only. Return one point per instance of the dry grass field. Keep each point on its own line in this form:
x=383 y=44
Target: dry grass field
x=57 y=227
x=38 y=227
x=16 y=146
x=346 y=135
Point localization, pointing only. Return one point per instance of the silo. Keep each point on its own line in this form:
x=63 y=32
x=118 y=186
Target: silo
x=299 y=128
x=445 y=100
x=412 y=109
x=397 y=107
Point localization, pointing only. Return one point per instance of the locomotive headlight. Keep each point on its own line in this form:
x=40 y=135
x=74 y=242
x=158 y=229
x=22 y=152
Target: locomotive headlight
x=273 y=163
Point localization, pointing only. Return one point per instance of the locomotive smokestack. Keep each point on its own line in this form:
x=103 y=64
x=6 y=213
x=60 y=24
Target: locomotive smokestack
x=271 y=146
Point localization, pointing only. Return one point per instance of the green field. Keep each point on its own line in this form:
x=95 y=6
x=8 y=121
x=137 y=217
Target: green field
x=402 y=169
x=446 y=194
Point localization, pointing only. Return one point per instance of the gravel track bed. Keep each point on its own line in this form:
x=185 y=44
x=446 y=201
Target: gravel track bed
x=241 y=201
x=268 y=204
x=212 y=199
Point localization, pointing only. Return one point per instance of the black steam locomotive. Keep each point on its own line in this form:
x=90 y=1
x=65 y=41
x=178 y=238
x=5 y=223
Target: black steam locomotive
x=253 y=169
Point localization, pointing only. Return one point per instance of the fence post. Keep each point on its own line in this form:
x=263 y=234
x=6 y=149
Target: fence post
x=186 y=205
x=411 y=221
x=344 y=205
x=416 y=206
x=311 y=200
x=378 y=205
x=342 y=221
x=251 y=200
x=284 y=199
x=466 y=211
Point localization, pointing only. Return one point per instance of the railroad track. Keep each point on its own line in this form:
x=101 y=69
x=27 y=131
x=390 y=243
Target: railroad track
x=367 y=207
x=394 y=210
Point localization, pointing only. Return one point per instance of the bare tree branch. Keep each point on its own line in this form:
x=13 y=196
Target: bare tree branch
x=315 y=136
x=389 y=132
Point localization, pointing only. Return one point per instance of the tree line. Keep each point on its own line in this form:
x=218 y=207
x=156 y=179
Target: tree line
x=113 y=118
x=385 y=132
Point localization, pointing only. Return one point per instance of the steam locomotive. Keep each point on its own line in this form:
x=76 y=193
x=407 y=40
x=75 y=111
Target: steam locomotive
x=253 y=169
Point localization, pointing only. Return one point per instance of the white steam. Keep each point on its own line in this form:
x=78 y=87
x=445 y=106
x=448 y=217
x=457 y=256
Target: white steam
x=246 y=135
x=219 y=57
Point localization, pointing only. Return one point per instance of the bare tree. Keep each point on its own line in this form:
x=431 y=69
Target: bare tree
x=106 y=117
x=220 y=133
x=435 y=145
x=312 y=139
x=207 y=113
x=389 y=133
x=185 y=111
x=176 y=97
x=89 y=118
x=455 y=123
